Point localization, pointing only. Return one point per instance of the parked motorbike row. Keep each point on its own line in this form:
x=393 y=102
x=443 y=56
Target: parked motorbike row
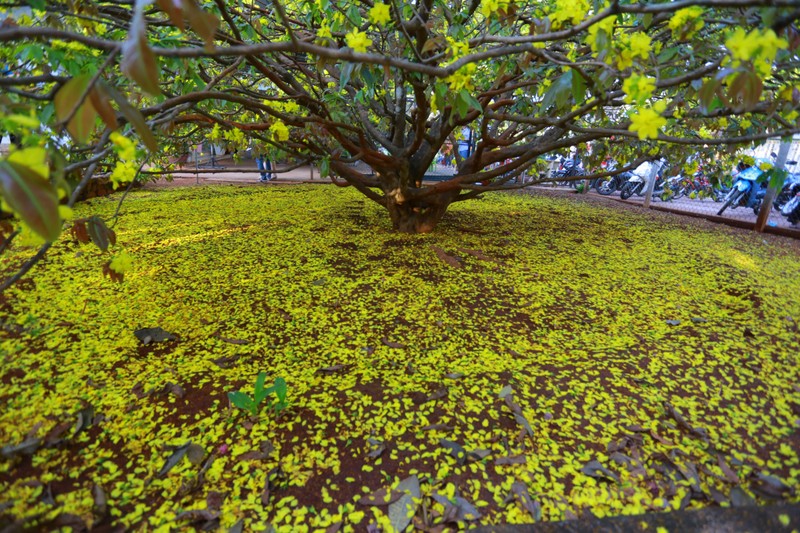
x=747 y=190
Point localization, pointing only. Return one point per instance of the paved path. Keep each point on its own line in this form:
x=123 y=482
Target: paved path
x=245 y=172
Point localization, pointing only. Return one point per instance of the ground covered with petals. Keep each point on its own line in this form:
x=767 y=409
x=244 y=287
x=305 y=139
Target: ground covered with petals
x=533 y=358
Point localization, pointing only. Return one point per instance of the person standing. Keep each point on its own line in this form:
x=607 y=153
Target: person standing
x=265 y=167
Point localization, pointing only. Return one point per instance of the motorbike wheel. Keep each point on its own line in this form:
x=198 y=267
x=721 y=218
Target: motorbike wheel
x=627 y=191
x=606 y=187
x=794 y=215
x=732 y=197
x=790 y=206
x=757 y=207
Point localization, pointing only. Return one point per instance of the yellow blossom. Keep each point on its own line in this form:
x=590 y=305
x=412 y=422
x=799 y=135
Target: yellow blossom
x=638 y=88
x=279 y=131
x=124 y=172
x=489 y=7
x=379 y=14
x=758 y=46
x=640 y=45
x=646 y=123
x=688 y=20
x=624 y=59
x=324 y=32
x=462 y=78
x=124 y=147
x=120 y=264
x=358 y=41
x=572 y=11
x=456 y=48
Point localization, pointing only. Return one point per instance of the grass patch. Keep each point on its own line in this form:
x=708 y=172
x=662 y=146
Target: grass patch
x=667 y=355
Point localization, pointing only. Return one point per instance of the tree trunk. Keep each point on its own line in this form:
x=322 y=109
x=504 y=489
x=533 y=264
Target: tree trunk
x=418 y=216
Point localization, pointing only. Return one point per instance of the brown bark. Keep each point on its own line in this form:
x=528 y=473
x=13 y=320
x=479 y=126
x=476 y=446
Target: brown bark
x=418 y=216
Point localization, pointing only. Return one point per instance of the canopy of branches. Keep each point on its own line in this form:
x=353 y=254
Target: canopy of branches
x=332 y=82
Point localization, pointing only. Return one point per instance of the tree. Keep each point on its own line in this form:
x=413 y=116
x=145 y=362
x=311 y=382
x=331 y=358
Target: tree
x=333 y=82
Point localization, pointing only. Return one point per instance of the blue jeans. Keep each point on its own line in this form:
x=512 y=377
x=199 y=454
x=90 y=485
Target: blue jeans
x=265 y=167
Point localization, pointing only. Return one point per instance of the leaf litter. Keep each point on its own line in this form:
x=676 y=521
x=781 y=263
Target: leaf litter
x=355 y=415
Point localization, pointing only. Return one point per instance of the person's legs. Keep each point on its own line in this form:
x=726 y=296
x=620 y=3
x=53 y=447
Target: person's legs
x=270 y=175
x=262 y=167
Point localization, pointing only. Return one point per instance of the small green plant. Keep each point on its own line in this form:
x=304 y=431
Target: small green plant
x=253 y=405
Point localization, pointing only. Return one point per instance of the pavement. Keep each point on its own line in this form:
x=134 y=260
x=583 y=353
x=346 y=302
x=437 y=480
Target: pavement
x=245 y=172
x=242 y=172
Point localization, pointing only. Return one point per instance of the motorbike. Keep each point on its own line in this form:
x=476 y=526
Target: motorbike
x=569 y=168
x=637 y=184
x=610 y=184
x=747 y=189
x=792 y=210
x=792 y=206
x=788 y=193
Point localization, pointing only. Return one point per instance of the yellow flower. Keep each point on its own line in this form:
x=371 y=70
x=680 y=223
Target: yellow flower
x=624 y=59
x=640 y=45
x=457 y=49
x=324 y=32
x=489 y=7
x=569 y=11
x=638 y=88
x=279 y=131
x=646 y=123
x=124 y=147
x=462 y=78
x=358 y=41
x=379 y=14
x=758 y=46
x=689 y=20
x=120 y=264
x=215 y=134
x=124 y=172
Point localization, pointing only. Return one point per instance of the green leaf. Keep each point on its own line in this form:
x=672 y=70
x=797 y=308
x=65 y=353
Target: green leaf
x=440 y=92
x=82 y=123
x=344 y=75
x=578 y=88
x=325 y=167
x=136 y=119
x=369 y=80
x=242 y=401
x=354 y=14
x=776 y=177
x=558 y=92
x=260 y=393
x=32 y=198
x=461 y=106
x=471 y=101
x=280 y=390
